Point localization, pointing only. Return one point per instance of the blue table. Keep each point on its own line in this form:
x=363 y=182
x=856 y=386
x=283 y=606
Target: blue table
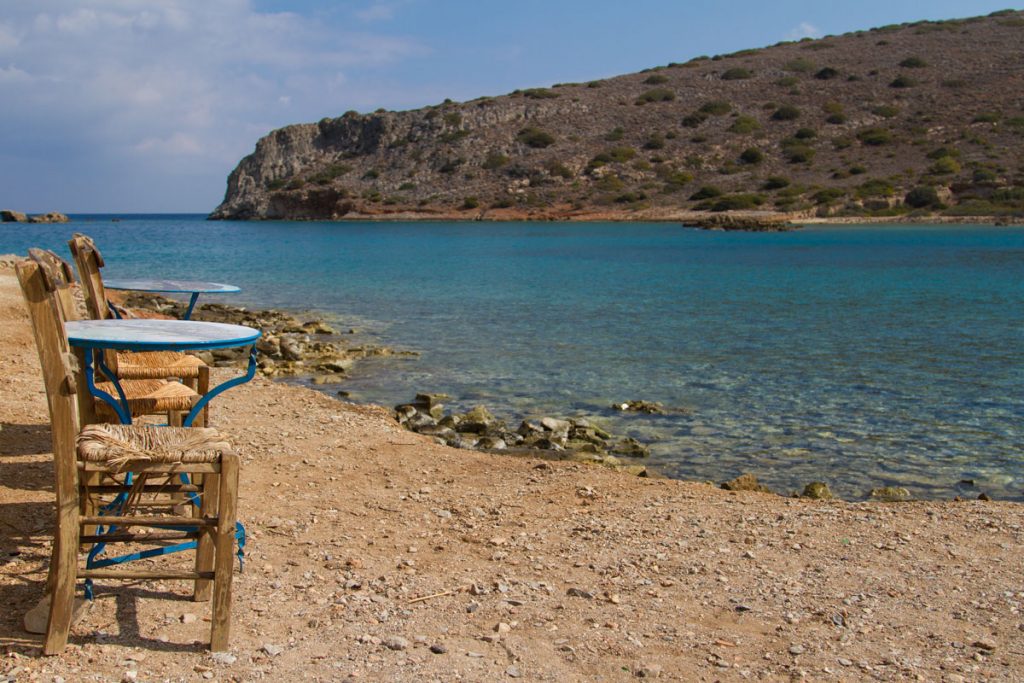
x=191 y=287
x=157 y=335
x=96 y=336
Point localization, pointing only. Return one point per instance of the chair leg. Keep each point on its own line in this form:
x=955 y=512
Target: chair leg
x=63 y=573
x=227 y=512
x=206 y=543
x=203 y=388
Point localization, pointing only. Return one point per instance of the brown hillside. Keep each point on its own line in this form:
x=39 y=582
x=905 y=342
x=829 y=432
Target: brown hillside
x=924 y=117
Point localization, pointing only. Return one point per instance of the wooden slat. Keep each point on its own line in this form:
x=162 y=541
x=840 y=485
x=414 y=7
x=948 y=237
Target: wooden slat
x=148 y=488
x=153 y=468
x=127 y=574
x=140 y=538
x=146 y=520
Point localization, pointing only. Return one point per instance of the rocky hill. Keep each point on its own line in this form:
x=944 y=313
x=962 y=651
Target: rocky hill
x=913 y=119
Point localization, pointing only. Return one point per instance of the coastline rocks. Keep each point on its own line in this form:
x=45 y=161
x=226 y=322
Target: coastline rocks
x=289 y=347
x=647 y=407
x=574 y=439
x=745 y=482
x=754 y=221
x=890 y=494
x=8 y=216
x=817 y=490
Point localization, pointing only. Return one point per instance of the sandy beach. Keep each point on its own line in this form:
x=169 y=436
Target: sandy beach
x=375 y=554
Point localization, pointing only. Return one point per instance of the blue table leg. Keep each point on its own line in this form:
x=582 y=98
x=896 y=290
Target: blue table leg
x=191 y=305
x=220 y=388
x=121 y=408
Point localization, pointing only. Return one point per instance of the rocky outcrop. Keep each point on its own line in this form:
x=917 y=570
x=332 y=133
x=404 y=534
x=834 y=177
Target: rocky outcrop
x=902 y=121
x=8 y=216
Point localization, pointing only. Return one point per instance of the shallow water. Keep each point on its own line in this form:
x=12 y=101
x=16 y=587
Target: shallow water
x=860 y=356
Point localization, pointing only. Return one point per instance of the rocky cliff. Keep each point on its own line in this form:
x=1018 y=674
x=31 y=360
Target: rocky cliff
x=923 y=117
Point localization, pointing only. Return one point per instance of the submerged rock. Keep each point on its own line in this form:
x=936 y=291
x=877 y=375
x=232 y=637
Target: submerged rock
x=817 y=490
x=890 y=494
x=745 y=482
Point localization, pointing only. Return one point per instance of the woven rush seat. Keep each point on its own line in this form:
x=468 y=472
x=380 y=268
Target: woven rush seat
x=122 y=444
x=157 y=365
x=147 y=396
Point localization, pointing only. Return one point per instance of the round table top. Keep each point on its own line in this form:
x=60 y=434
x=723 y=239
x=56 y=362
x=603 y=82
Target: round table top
x=145 y=334
x=170 y=286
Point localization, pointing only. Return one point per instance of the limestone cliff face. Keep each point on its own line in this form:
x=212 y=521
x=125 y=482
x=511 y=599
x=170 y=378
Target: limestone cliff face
x=924 y=116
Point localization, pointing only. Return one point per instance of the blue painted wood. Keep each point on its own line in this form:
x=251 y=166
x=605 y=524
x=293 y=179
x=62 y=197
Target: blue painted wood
x=170 y=286
x=143 y=334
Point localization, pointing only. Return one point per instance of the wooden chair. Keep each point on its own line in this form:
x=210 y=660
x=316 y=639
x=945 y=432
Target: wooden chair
x=147 y=365
x=112 y=451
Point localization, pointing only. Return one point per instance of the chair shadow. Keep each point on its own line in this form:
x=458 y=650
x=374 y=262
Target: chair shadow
x=24 y=439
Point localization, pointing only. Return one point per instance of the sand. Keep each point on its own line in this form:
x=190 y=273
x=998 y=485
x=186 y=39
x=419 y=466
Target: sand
x=376 y=554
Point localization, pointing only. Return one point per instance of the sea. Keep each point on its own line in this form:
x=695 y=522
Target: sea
x=859 y=356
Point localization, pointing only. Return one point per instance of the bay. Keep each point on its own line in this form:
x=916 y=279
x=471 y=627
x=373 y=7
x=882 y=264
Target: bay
x=860 y=356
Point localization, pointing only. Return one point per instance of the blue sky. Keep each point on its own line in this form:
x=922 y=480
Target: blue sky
x=147 y=105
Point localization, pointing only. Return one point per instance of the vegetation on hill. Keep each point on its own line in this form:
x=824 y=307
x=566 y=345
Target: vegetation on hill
x=914 y=118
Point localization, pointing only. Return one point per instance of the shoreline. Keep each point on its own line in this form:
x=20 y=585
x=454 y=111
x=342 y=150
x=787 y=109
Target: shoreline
x=537 y=435
x=685 y=217
x=377 y=554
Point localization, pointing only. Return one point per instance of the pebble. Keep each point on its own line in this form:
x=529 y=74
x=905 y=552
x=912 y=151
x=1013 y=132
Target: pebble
x=579 y=593
x=513 y=672
x=396 y=643
x=438 y=649
x=649 y=671
x=985 y=644
x=271 y=649
x=224 y=658
x=796 y=649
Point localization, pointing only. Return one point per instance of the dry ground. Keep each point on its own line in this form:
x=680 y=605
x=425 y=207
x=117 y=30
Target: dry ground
x=539 y=571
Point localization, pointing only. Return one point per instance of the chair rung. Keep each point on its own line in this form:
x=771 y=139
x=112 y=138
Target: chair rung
x=155 y=468
x=124 y=574
x=141 y=520
x=141 y=538
x=148 y=488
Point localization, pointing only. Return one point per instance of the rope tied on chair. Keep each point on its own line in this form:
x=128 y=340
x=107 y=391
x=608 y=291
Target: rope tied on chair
x=117 y=445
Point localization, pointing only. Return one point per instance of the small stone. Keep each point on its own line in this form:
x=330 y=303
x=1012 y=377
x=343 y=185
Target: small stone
x=502 y=628
x=986 y=644
x=271 y=649
x=796 y=649
x=817 y=490
x=396 y=643
x=224 y=658
x=513 y=672
x=189 y=618
x=438 y=649
x=745 y=482
x=890 y=494
x=579 y=593
x=649 y=671
x=843 y=661
x=129 y=676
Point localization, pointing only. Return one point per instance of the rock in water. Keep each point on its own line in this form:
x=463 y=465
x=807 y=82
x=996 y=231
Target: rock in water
x=817 y=490
x=890 y=494
x=745 y=482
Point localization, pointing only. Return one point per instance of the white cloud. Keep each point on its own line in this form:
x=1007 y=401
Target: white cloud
x=182 y=78
x=178 y=144
x=804 y=30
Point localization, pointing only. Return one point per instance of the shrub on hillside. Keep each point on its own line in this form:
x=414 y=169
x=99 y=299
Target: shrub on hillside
x=736 y=73
x=752 y=155
x=494 y=161
x=706 y=192
x=715 y=108
x=775 y=182
x=799 y=65
x=656 y=95
x=874 y=137
x=695 y=119
x=615 y=134
x=656 y=79
x=885 y=110
x=913 y=63
x=786 y=112
x=923 y=197
x=827 y=74
x=736 y=202
x=744 y=125
x=903 y=81
x=875 y=187
x=535 y=137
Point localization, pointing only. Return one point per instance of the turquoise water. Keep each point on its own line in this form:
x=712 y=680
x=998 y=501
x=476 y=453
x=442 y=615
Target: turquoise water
x=860 y=356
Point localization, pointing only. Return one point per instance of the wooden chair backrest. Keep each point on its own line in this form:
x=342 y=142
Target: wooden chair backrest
x=42 y=277
x=88 y=260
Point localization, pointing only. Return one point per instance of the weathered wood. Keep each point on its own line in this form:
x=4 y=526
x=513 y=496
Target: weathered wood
x=139 y=538
x=148 y=520
x=148 y=488
x=205 y=544
x=220 y=632
x=158 y=574
x=155 y=467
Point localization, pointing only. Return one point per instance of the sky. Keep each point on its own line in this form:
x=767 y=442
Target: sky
x=138 y=106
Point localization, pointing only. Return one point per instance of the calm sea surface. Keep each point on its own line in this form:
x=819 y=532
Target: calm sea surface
x=860 y=356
